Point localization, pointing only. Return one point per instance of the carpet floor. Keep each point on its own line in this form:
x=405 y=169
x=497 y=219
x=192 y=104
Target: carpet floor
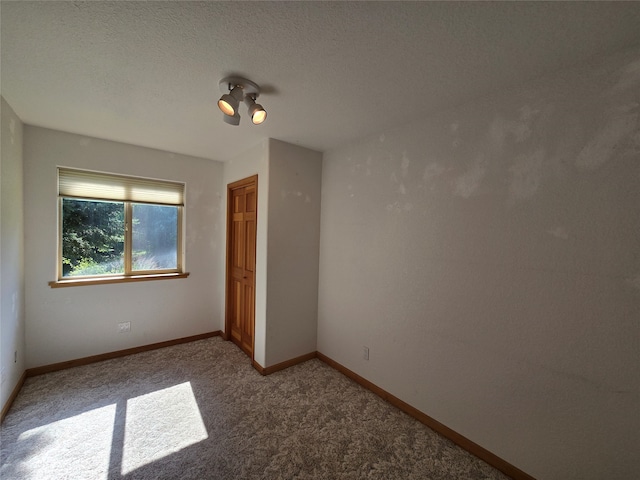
x=200 y=411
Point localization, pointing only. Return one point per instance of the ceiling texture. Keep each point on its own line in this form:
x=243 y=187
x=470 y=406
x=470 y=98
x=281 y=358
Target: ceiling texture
x=147 y=73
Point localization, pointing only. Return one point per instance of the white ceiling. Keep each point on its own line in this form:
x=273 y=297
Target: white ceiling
x=147 y=73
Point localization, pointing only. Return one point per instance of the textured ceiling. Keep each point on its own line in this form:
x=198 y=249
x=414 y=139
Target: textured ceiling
x=147 y=73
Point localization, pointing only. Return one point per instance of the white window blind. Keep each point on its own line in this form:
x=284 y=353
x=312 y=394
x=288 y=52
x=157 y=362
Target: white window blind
x=104 y=186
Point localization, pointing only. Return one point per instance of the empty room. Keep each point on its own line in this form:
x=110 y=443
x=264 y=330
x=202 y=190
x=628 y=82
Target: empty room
x=320 y=240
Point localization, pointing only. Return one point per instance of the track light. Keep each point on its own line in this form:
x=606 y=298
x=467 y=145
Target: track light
x=257 y=113
x=235 y=90
x=229 y=102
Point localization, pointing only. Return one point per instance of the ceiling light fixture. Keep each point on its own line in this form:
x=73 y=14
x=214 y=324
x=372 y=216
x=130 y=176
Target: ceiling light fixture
x=257 y=113
x=229 y=102
x=235 y=90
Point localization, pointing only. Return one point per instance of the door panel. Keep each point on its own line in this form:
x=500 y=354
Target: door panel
x=250 y=251
x=237 y=311
x=247 y=332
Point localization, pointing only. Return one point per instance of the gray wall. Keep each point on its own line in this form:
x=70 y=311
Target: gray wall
x=489 y=257
x=295 y=175
x=12 y=336
x=75 y=322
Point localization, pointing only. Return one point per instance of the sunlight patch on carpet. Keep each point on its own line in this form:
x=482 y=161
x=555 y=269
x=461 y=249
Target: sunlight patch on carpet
x=159 y=424
x=78 y=443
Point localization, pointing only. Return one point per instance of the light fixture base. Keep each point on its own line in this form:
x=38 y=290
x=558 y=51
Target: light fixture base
x=248 y=87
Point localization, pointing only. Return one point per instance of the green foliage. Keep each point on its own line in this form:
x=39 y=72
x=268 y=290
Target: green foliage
x=88 y=266
x=92 y=237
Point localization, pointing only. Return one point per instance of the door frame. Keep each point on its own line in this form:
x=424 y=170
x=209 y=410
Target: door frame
x=228 y=290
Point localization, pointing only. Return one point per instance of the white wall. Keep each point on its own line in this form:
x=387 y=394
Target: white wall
x=295 y=175
x=489 y=257
x=12 y=337
x=74 y=322
x=254 y=161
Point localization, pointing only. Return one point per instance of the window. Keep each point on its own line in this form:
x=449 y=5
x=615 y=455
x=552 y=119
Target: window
x=118 y=226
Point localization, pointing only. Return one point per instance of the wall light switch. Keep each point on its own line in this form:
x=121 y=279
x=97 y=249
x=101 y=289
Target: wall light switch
x=365 y=353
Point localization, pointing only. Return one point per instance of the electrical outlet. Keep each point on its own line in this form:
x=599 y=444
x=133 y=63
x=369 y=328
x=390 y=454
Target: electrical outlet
x=365 y=353
x=124 y=327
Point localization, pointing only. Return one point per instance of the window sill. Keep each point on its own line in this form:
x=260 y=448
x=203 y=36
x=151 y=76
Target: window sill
x=80 y=282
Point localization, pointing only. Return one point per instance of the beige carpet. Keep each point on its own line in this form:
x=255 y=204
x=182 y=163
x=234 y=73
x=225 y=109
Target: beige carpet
x=200 y=411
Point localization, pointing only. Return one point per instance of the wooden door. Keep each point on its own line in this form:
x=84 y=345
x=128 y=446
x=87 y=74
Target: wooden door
x=242 y=203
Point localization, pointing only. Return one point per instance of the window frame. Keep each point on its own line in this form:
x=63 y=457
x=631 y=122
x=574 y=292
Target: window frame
x=128 y=274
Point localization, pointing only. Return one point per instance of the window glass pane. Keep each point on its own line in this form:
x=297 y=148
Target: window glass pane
x=92 y=237
x=154 y=237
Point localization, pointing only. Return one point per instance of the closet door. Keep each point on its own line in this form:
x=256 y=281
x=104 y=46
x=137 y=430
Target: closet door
x=242 y=203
